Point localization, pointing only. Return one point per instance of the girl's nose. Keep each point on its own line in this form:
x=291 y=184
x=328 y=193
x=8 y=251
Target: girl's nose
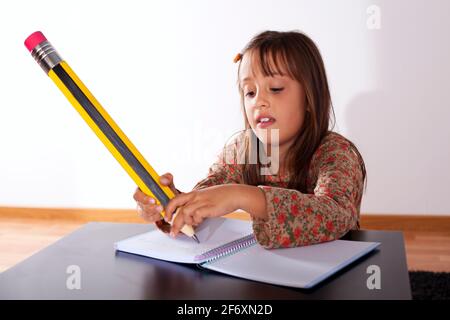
x=261 y=101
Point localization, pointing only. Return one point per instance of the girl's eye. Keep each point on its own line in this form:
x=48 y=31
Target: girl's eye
x=251 y=93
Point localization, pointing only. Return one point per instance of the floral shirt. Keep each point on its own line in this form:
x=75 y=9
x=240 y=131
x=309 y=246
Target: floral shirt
x=328 y=210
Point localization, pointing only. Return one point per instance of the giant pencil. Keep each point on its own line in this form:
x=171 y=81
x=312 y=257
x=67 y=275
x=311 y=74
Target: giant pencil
x=100 y=122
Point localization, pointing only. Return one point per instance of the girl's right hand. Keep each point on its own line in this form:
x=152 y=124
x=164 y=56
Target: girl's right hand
x=146 y=205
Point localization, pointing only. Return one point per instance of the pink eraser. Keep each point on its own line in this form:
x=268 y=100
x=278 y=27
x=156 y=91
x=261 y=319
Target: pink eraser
x=34 y=39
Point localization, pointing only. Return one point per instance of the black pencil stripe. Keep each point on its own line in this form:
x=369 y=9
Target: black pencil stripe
x=112 y=136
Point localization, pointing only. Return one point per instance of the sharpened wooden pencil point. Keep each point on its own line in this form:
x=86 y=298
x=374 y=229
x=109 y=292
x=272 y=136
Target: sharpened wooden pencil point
x=195 y=238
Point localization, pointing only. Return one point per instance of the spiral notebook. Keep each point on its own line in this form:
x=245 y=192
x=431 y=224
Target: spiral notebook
x=229 y=246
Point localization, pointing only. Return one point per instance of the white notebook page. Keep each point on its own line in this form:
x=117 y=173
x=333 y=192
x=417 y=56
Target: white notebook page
x=212 y=233
x=301 y=267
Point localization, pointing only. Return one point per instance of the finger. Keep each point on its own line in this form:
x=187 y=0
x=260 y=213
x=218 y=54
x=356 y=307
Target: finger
x=178 y=223
x=190 y=211
x=150 y=215
x=152 y=208
x=200 y=214
x=198 y=218
x=167 y=180
x=151 y=218
x=178 y=201
x=139 y=210
x=140 y=196
x=188 y=215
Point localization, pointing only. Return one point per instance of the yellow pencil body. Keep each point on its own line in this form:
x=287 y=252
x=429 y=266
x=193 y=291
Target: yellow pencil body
x=101 y=123
x=102 y=136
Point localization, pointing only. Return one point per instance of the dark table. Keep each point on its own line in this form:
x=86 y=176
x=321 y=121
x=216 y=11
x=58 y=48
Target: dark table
x=106 y=274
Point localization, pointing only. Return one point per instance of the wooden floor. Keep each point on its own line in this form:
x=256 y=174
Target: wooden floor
x=427 y=250
x=22 y=237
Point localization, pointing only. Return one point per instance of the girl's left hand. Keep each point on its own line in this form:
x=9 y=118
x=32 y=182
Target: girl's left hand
x=197 y=205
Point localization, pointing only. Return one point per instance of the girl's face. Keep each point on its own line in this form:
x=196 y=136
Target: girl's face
x=276 y=102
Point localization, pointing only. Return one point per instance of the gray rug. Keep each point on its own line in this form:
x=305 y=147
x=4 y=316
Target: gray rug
x=430 y=285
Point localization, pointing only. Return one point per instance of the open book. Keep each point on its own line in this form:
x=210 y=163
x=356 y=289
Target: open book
x=229 y=246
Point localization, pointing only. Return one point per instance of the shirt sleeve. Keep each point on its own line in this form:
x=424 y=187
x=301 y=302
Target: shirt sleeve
x=299 y=219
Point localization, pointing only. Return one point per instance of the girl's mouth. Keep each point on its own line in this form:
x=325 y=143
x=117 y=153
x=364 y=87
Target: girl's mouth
x=265 y=122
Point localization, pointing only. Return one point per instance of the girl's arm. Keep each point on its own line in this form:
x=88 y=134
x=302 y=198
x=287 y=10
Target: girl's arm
x=296 y=219
x=224 y=170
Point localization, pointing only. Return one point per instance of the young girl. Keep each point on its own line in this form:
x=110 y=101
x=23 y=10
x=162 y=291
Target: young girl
x=315 y=195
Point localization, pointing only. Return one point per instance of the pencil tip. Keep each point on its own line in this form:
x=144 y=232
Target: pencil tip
x=195 y=238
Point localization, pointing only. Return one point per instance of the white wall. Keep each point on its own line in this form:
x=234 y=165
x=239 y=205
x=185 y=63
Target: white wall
x=164 y=72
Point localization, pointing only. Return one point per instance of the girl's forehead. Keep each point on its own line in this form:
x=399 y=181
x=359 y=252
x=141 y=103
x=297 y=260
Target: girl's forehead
x=252 y=66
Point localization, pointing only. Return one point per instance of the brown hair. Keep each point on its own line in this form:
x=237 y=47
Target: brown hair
x=303 y=62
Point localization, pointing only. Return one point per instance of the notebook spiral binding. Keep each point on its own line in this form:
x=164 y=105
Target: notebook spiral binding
x=226 y=249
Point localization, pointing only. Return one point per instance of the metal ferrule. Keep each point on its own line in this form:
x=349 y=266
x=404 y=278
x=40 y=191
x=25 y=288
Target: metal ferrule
x=46 y=56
